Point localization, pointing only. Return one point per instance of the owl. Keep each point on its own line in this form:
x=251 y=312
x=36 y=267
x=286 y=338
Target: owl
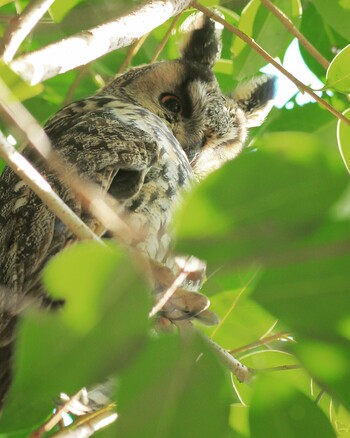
x=145 y=138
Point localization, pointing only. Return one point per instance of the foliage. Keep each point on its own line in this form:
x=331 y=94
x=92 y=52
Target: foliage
x=274 y=227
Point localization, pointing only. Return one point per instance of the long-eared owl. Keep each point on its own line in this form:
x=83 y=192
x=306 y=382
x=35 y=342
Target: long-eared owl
x=147 y=136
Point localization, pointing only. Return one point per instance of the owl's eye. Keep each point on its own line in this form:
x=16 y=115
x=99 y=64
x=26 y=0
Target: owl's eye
x=171 y=103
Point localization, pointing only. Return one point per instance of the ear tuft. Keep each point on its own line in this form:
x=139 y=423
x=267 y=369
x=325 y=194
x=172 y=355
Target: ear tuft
x=256 y=97
x=203 y=44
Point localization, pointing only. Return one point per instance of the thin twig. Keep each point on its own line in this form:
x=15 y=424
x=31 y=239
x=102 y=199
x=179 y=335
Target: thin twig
x=263 y=341
x=270 y=60
x=89 y=424
x=91 y=44
x=288 y=24
x=233 y=305
x=161 y=46
x=279 y=368
x=101 y=206
x=242 y=372
x=80 y=74
x=168 y=293
x=43 y=189
x=20 y=27
x=56 y=417
x=134 y=48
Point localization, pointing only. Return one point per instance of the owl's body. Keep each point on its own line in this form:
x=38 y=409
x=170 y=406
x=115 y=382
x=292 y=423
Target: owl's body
x=145 y=138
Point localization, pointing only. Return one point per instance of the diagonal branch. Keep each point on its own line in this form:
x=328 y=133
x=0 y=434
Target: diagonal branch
x=254 y=45
x=43 y=189
x=287 y=23
x=91 y=44
x=20 y=27
x=101 y=206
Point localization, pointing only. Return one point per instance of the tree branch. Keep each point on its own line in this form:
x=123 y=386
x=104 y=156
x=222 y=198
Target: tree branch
x=284 y=336
x=86 y=46
x=270 y=60
x=165 y=39
x=20 y=27
x=288 y=24
x=43 y=189
x=242 y=372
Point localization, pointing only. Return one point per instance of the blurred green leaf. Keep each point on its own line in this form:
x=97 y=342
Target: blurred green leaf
x=101 y=329
x=338 y=73
x=309 y=291
x=343 y=137
x=60 y=8
x=255 y=208
x=279 y=410
x=258 y=23
x=174 y=390
x=329 y=364
x=335 y=15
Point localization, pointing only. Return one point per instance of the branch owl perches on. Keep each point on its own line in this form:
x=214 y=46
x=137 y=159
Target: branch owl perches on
x=145 y=138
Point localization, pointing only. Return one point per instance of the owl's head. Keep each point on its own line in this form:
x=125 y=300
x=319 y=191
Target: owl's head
x=210 y=127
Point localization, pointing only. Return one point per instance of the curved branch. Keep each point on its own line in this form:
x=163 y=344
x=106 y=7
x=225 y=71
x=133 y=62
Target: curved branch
x=86 y=46
x=20 y=27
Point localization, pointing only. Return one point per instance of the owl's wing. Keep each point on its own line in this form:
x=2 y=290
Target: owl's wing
x=99 y=145
x=91 y=138
x=96 y=135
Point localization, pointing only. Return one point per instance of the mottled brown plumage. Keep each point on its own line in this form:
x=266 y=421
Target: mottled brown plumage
x=146 y=137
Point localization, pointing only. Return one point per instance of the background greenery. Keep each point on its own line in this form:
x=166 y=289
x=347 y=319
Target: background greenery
x=274 y=227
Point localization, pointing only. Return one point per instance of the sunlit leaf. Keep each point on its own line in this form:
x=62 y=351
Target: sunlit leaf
x=60 y=8
x=279 y=410
x=238 y=315
x=257 y=22
x=343 y=137
x=338 y=73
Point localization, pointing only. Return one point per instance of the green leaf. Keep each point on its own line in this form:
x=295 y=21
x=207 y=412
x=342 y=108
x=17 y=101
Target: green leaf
x=257 y=22
x=174 y=390
x=239 y=315
x=256 y=207
x=338 y=73
x=309 y=292
x=329 y=364
x=101 y=329
x=344 y=4
x=335 y=15
x=60 y=8
x=19 y=88
x=343 y=137
x=326 y=40
x=279 y=410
